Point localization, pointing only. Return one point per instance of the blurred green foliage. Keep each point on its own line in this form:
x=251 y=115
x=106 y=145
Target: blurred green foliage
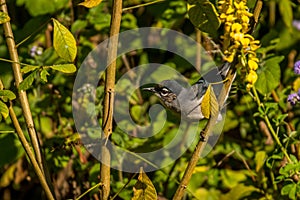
x=247 y=162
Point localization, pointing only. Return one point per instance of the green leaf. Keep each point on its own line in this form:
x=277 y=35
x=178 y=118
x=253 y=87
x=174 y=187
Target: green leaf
x=10 y=149
x=64 y=42
x=4 y=17
x=27 y=82
x=65 y=68
x=269 y=75
x=29 y=68
x=260 y=158
x=204 y=16
x=239 y=192
x=209 y=105
x=7 y=94
x=286 y=11
x=144 y=188
x=232 y=178
x=42 y=7
x=136 y=111
x=290 y=190
x=78 y=25
x=3 y=110
x=44 y=73
x=90 y=3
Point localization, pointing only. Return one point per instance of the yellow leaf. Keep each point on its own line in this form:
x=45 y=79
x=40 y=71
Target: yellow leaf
x=296 y=84
x=144 y=189
x=63 y=42
x=65 y=68
x=90 y=3
x=209 y=105
x=214 y=105
x=3 y=110
x=205 y=105
x=4 y=17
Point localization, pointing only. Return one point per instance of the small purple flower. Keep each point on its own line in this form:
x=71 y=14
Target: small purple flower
x=36 y=51
x=293 y=98
x=297 y=67
x=296 y=24
x=33 y=51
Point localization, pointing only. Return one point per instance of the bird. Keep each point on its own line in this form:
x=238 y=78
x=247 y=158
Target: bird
x=187 y=100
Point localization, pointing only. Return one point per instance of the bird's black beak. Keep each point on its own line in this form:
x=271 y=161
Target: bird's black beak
x=150 y=89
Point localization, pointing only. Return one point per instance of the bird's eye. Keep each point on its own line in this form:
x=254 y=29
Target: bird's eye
x=164 y=91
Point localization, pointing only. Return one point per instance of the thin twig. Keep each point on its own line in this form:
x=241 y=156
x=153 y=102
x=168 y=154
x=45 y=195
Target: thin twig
x=89 y=190
x=30 y=154
x=142 y=5
x=124 y=186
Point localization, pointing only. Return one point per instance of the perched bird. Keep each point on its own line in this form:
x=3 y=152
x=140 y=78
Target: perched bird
x=188 y=100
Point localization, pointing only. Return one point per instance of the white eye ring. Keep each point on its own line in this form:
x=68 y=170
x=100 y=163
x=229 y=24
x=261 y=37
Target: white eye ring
x=164 y=91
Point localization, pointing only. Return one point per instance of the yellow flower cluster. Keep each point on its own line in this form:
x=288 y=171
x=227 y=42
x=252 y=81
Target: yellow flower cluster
x=236 y=42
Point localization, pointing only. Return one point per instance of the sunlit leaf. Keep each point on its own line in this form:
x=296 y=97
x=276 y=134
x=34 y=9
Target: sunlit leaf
x=209 y=105
x=90 y=3
x=27 y=82
x=289 y=189
x=44 y=73
x=144 y=188
x=3 y=110
x=296 y=84
x=240 y=191
x=204 y=16
x=4 y=17
x=29 y=68
x=64 y=42
x=269 y=75
x=7 y=94
x=65 y=68
x=260 y=159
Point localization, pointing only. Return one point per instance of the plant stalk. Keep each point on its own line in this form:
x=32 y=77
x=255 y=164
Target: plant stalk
x=109 y=97
x=30 y=154
x=266 y=119
x=22 y=94
x=23 y=97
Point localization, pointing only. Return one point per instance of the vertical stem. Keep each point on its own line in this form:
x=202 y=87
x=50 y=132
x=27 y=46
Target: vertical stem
x=22 y=94
x=109 y=97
